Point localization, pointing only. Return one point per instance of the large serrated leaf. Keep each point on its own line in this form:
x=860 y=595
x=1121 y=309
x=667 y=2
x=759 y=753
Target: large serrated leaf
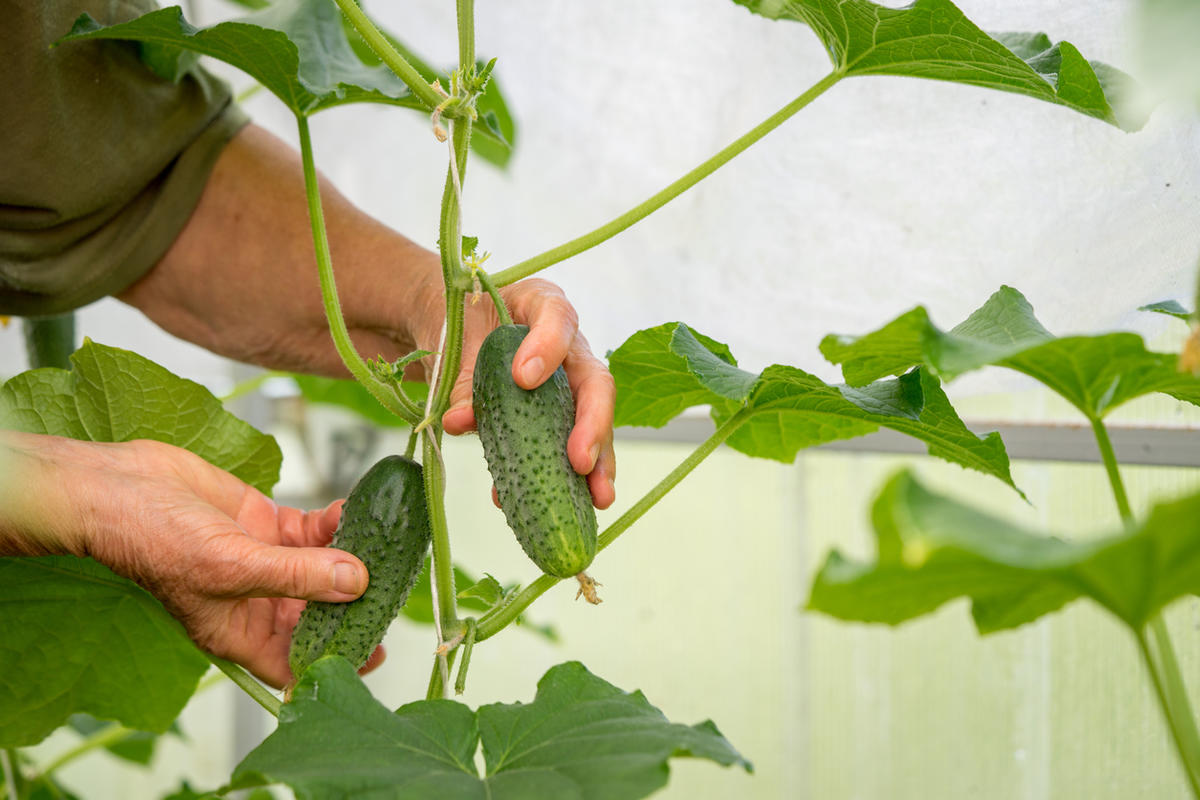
x=1096 y=374
x=79 y=638
x=934 y=39
x=297 y=49
x=114 y=395
x=581 y=737
x=931 y=549
x=662 y=371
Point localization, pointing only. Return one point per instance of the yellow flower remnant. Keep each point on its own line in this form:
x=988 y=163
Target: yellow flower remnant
x=1189 y=359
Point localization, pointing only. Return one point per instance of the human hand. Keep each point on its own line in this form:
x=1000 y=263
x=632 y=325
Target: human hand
x=553 y=339
x=219 y=287
x=223 y=558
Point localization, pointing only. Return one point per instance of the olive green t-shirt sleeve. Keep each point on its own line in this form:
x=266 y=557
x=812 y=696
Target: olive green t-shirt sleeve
x=101 y=160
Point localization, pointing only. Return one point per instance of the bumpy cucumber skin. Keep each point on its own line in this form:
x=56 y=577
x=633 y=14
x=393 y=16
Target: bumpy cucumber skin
x=385 y=522
x=524 y=435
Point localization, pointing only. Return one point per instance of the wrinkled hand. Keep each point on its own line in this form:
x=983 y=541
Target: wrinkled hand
x=219 y=286
x=554 y=339
x=223 y=558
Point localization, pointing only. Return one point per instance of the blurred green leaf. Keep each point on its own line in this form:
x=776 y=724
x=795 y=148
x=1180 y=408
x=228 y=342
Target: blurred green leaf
x=295 y=48
x=931 y=549
x=1096 y=374
x=78 y=638
x=351 y=395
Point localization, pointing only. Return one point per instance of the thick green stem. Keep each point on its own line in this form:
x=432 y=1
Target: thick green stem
x=390 y=396
x=576 y=246
x=437 y=678
x=468 y=644
x=466 y=33
x=388 y=54
x=10 y=767
x=246 y=682
x=50 y=341
x=1114 y=473
x=1160 y=660
x=497 y=619
x=443 y=569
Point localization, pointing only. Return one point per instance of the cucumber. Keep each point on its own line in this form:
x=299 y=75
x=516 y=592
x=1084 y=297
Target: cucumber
x=385 y=522
x=524 y=435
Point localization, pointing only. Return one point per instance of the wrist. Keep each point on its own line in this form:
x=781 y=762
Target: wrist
x=41 y=496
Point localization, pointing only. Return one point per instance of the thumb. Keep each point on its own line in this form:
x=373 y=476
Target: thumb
x=308 y=573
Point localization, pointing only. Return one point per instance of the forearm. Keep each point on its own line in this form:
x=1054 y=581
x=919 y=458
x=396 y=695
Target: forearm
x=241 y=278
x=44 y=500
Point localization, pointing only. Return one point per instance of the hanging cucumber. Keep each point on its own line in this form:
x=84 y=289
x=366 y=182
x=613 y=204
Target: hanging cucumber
x=524 y=435
x=385 y=522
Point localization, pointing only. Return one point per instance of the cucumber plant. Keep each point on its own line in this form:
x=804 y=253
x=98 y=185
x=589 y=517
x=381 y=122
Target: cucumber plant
x=319 y=54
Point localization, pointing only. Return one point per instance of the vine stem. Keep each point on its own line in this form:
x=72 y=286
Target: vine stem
x=485 y=281
x=442 y=584
x=497 y=619
x=389 y=54
x=1159 y=654
x=1114 y=473
x=104 y=737
x=9 y=764
x=246 y=682
x=455 y=280
x=1172 y=697
x=390 y=396
x=606 y=231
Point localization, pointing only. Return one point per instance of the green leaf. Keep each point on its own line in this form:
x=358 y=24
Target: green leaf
x=932 y=549
x=488 y=590
x=113 y=395
x=1172 y=308
x=1094 y=373
x=662 y=371
x=137 y=746
x=934 y=39
x=351 y=395
x=580 y=738
x=79 y=638
x=295 y=48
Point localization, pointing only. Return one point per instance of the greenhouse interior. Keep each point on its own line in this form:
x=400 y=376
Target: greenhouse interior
x=886 y=316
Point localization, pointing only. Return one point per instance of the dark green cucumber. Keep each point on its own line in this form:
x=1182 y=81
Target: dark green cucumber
x=524 y=435
x=385 y=522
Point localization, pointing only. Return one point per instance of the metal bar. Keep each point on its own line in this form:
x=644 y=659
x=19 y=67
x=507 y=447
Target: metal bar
x=1156 y=446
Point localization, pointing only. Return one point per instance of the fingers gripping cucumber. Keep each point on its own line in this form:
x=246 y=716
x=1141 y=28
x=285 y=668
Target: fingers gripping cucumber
x=385 y=522
x=524 y=435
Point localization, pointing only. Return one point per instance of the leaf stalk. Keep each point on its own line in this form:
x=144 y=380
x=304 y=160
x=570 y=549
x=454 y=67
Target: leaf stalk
x=388 y=54
x=639 y=212
x=246 y=682
x=391 y=397
x=1163 y=667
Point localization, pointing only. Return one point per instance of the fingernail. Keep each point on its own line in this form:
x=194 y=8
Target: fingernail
x=593 y=454
x=532 y=371
x=346 y=578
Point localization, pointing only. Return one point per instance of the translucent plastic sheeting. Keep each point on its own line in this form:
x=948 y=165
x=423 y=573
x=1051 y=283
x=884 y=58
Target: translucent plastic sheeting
x=885 y=193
